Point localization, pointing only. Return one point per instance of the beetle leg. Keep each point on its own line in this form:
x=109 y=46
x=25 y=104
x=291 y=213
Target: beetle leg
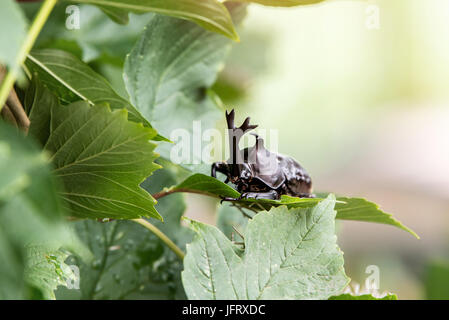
x=238 y=232
x=271 y=195
x=220 y=167
x=305 y=195
x=228 y=199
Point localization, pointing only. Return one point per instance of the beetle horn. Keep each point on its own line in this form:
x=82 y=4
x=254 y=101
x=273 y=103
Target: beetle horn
x=235 y=134
x=246 y=126
x=231 y=124
x=230 y=119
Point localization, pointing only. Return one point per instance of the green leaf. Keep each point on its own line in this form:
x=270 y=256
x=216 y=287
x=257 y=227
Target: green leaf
x=209 y=14
x=71 y=80
x=347 y=208
x=12 y=32
x=348 y=296
x=137 y=265
x=39 y=103
x=46 y=269
x=102 y=158
x=130 y=263
x=360 y=209
x=99 y=37
x=202 y=184
x=284 y=3
x=289 y=254
x=207 y=185
x=30 y=212
x=167 y=75
x=117 y=15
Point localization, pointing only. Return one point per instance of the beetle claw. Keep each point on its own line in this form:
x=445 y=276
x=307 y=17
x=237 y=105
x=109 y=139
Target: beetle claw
x=244 y=195
x=228 y=199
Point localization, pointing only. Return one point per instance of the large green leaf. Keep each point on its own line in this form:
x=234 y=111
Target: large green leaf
x=98 y=37
x=167 y=75
x=30 y=213
x=71 y=80
x=210 y=14
x=100 y=156
x=12 y=32
x=289 y=254
x=347 y=208
x=360 y=209
x=133 y=263
x=207 y=185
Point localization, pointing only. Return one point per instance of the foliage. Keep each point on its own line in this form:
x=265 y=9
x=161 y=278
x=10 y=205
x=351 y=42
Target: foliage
x=209 y=14
x=347 y=208
x=288 y=254
x=74 y=185
x=167 y=74
x=31 y=220
x=90 y=149
x=71 y=80
x=348 y=296
x=12 y=16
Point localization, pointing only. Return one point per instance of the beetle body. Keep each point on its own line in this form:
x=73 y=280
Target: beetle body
x=259 y=173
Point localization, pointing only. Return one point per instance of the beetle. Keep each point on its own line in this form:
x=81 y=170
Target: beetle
x=259 y=173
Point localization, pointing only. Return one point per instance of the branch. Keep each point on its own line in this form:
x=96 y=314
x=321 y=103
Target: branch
x=8 y=116
x=13 y=111
x=22 y=120
x=31 y=37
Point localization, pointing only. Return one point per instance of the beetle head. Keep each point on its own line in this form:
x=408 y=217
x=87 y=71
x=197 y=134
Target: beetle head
x=241 y=174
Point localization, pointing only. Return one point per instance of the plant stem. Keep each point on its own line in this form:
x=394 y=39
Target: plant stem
x=161 y=236
x=163 y=193
x=31 y=37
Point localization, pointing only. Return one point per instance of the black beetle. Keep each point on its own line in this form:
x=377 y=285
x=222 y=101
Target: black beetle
x=257 y=172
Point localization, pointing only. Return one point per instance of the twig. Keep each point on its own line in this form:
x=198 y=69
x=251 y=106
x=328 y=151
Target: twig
x=17 y=109
x=161 y=236
x=8 y=116
x=238 y=232
x=31 y=37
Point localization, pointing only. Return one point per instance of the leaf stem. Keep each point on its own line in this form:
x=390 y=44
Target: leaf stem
x=164 y=193
x=31 y=37
x=161 y=236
